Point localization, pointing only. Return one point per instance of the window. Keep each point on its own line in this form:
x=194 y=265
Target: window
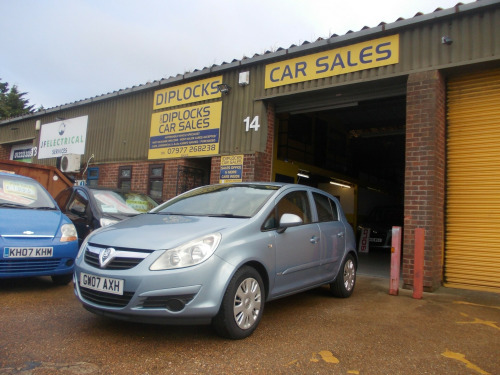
x=125 y=177
x=327 y=209
x=93 y=177
x=155 y=185
x=296 y=202
x=78 y=203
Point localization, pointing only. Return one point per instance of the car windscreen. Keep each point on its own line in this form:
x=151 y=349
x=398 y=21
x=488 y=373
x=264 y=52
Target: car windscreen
x=124 y=203
x=218 y=200
x=24 y=193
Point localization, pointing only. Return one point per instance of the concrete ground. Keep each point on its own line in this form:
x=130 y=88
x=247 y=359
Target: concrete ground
x=44 y=330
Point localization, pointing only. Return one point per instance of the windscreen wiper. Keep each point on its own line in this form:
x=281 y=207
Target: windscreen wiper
x=229 y=215
x=13 y=205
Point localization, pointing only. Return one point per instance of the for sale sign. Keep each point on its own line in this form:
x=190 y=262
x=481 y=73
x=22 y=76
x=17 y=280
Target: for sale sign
x=364 y=241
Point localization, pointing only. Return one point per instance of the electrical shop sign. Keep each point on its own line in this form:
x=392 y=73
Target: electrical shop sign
x=231 y=169
x=356 y=57
x=63 y=137
x=188 y=93
x=184 y=132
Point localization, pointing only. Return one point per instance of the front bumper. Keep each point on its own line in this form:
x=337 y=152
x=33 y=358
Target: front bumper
x=60 y=263
x=188 y=295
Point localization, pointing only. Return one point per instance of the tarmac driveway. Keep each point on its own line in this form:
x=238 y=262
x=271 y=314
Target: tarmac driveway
x=44 y=330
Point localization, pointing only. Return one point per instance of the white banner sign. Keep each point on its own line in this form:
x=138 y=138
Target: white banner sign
x=63 y=137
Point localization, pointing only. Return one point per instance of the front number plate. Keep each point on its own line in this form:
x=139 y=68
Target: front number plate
x=28 y=252
x=101 y=284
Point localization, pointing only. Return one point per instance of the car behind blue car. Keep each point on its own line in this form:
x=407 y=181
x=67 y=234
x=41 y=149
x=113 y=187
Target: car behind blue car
x=36 y=238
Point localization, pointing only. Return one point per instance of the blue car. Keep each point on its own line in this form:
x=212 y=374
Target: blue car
x=36 y=238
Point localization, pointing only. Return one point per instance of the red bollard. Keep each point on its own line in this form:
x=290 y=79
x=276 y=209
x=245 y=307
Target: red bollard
x=395 y=261
x=418 y=263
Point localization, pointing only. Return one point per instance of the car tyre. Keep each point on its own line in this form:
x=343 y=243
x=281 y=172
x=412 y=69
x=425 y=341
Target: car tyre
x=343 y=286
x=242 y=305
x=62 y=279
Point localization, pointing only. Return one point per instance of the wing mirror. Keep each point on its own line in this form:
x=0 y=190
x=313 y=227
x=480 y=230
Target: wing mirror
x=287 y=221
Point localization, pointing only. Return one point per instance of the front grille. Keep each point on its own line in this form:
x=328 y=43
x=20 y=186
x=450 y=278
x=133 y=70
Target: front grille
x=106 y=299
x=124 y=259
x=118 y=263
x=29 y=265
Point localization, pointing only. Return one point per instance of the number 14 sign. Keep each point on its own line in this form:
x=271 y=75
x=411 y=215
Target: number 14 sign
x=254 y=124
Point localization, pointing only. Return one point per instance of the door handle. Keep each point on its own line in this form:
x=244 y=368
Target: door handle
x=314 y=239
x=341 y=234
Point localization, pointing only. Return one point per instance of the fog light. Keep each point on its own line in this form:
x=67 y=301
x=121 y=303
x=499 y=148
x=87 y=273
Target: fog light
x=70 y=262
x=175 y=305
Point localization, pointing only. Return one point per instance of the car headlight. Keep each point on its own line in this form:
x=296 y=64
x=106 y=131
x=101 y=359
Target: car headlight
x=188 y=254
x=105 y=222
x=68 y=233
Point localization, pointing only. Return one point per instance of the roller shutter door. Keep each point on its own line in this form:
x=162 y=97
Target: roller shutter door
x=472 y=250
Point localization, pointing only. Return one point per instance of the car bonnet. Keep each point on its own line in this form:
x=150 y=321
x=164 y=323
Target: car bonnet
x=154 y=231
x=19 y=222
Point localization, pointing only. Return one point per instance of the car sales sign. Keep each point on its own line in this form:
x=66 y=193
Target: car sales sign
x=352 y=58
x=184 y=132
x=63 y=137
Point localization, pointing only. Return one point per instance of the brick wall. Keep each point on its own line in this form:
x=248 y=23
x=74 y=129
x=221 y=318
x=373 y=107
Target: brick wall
x=5 y=152
x=108 y=175
x=264 y=161
x=425 y=175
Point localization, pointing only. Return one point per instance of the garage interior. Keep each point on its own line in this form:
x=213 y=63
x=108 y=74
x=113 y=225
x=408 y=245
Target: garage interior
x=360 y=138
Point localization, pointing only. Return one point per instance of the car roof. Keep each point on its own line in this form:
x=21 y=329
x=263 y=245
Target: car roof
x=6 y=174
x=85 y=187
x=281 y=185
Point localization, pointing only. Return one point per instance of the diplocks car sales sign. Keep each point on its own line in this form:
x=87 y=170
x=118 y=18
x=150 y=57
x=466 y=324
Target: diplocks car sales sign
x=63 y=137
x=186 y=131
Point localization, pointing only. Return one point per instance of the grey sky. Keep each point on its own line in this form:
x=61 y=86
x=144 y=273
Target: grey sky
x=61 y=51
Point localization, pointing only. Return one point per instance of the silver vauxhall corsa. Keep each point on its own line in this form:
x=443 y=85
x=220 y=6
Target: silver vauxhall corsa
x=216 y=254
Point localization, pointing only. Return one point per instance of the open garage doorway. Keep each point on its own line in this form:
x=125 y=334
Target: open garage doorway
x=356 y=151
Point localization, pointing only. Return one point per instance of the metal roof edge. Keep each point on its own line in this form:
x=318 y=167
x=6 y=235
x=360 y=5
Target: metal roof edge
x=292 y=50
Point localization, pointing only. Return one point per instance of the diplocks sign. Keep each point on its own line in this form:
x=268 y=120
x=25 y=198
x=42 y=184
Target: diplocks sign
x=356 y=57
x=188 y=93
x=190 y=130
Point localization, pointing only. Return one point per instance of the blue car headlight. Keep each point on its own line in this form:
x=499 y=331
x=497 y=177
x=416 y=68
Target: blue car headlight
x=189 y=254
x=68 y=233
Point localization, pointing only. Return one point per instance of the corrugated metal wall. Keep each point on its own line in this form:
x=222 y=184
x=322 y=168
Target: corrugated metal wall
x=472 y=252
x=118 y=128
x=475 y=39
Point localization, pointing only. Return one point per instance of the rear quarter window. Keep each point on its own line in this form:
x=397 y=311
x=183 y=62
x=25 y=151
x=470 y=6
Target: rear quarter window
x=326 y=208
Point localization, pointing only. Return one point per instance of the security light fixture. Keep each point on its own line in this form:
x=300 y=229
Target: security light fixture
x=224 y=88
x=303 y=173
x=340 y=184
x=446 y=40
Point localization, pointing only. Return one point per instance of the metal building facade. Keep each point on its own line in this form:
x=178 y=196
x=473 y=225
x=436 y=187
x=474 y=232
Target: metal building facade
x=453 y=42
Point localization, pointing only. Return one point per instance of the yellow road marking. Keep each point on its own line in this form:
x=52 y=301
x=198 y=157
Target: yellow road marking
x=326 y=356
x=461 y=358
x=475 y=304
x=488 y=323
